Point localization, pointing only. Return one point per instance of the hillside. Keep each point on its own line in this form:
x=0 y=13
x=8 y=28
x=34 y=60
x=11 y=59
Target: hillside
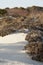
x=12 y=19
x=19 y=19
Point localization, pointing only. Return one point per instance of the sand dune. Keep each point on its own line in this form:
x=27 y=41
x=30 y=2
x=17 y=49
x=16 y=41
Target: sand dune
x=12 y=53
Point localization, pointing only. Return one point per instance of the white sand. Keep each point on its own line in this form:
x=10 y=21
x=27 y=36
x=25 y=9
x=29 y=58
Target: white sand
x=12 y=53
x=13 y=38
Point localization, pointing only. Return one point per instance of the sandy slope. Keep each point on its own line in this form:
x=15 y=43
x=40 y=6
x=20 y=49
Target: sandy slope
x=12 y=53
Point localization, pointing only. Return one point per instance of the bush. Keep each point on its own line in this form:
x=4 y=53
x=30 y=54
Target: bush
x=3 y=11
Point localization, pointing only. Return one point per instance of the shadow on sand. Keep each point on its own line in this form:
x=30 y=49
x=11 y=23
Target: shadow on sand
x=15 y=52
